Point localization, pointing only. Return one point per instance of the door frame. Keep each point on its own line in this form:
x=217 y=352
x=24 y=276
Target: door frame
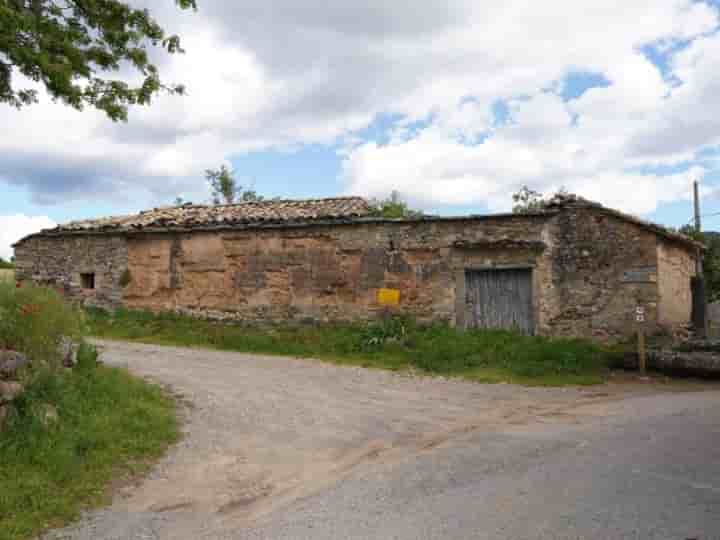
x=462 y=320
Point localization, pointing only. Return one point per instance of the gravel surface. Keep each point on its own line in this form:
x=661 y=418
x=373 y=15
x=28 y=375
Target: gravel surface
x=287 y=448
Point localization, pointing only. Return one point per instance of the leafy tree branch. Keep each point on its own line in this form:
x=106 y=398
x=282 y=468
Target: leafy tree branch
x=70 y=46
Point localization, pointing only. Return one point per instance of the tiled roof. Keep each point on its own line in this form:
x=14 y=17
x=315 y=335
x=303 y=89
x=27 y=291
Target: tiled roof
x=198 y=216
x=190 y=216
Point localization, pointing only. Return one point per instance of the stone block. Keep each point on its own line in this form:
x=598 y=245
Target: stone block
x=9 y=390
x=10 y=363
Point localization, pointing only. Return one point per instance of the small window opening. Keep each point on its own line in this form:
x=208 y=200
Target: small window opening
x=87 y=281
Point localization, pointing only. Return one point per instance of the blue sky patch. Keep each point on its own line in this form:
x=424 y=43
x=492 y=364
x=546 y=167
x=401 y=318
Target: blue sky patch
x=576 y=83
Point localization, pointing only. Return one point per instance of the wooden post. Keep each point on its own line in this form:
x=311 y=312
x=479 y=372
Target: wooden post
x=642 y=359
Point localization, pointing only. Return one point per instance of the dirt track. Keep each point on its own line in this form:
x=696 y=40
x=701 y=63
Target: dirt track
x=262 y=432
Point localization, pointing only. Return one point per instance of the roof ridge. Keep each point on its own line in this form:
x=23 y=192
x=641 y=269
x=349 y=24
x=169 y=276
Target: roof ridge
x=570 y=200
x=271 y=201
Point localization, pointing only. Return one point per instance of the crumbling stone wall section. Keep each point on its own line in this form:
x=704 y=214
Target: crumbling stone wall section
x=327 y=273
x=59 y=261
x=676 y=268
x=603 y=267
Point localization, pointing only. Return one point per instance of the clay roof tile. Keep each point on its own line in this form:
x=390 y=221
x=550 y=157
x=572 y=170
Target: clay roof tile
x=189 y=215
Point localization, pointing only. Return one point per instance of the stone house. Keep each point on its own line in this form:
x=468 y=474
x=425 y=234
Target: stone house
x=574 y=269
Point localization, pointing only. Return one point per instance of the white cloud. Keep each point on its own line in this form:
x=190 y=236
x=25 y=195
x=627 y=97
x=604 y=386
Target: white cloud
x=15 y=227
x=278 y=73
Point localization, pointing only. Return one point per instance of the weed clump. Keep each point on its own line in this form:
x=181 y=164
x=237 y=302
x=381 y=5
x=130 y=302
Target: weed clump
x=36 y=321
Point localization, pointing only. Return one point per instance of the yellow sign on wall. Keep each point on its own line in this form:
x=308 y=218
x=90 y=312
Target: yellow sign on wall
x=389 y=297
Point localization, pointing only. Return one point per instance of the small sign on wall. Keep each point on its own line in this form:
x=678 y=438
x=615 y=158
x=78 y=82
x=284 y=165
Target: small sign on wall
x=646 y=274
x=388 y=297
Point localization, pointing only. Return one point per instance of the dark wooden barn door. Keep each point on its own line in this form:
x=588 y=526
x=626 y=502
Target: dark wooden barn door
x=500 y=299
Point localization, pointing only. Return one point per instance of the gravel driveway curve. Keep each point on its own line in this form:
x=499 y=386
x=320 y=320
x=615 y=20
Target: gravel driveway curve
x=262 y=432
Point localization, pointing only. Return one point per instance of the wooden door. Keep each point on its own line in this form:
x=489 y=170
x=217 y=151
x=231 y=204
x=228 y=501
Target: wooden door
x=500 y=299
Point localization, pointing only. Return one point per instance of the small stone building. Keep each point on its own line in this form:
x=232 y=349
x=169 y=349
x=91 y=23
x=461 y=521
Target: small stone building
x=574 y=269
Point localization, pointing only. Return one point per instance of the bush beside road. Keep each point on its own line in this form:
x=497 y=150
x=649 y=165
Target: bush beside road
x=66 y=433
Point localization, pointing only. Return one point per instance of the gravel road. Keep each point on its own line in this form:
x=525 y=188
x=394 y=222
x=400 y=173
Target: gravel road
x=287 y=448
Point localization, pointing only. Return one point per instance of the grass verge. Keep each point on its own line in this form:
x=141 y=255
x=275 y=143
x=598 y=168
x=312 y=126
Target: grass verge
x=109 y=425
x=7 y=274
x=397 y=344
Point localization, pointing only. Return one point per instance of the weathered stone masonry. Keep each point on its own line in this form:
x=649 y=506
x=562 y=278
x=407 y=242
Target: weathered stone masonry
x=60 y=261
x=590 y=268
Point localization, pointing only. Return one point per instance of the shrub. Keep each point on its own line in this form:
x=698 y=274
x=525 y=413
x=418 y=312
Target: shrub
x=35 y=320
x=390 y=330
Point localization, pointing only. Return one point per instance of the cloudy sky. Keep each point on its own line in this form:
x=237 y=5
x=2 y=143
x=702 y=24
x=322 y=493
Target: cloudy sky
x=455 y=104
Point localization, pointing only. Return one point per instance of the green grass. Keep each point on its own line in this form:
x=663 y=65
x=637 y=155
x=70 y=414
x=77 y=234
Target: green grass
x=110 y=425
x=36 y=321
x=7 y=274
x=487 y=356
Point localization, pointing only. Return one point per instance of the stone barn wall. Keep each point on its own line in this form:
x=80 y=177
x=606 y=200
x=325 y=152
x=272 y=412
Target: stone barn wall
x=676 y=268
x=590 y=269
x=328 y=273
x=60 y=261
x=603 y=267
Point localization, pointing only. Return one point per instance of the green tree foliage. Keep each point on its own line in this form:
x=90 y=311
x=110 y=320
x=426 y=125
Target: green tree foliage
x=711 y=259
x=226 y=190
x=222 y=184
x=70 y=46
x=6 y=265
x=393 y=207
x=527 y=200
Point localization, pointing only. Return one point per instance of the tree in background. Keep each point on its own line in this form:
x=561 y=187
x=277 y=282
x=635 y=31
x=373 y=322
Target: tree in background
x=393 y=207
x=6 y=265
x=528 y=200
x=70 y=45
x=226 y=190
x=711 y=259
x=222 y=184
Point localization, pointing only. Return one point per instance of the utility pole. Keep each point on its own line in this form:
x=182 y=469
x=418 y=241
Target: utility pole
x=699 y=310
x=696 y=199
x=698 y=225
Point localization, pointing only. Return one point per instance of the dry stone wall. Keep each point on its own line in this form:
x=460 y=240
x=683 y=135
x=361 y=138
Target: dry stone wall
x=603 y=268
x=326 y=273
x=10 y=387
x=60 y=262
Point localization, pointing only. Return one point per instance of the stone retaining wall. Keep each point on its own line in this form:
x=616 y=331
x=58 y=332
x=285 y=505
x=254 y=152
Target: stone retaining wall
x=10 y=388
x=703 y=363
